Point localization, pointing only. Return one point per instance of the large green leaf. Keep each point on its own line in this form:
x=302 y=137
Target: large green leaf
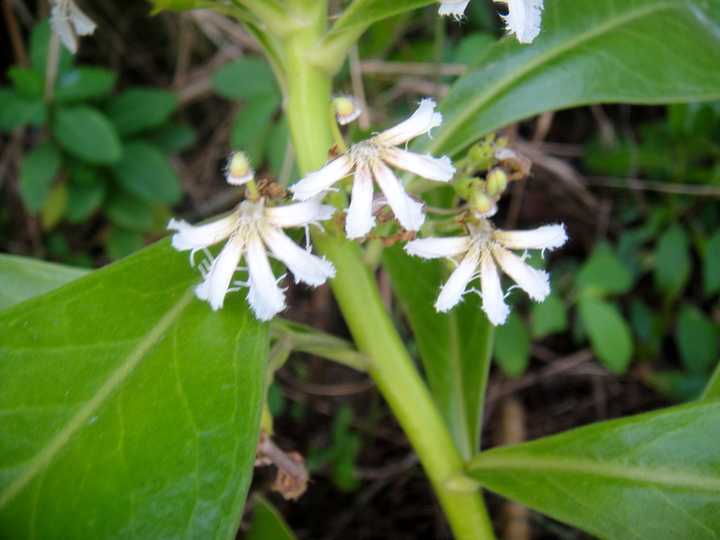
x=23 y=278
x=653 y=476
x=129 y=408
x=455 y=347
x=589 y=51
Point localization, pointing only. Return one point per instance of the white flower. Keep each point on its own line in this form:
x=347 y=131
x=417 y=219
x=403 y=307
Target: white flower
x=480 y=253
x=252 y=229
x=369 y=160
x=455 y=8
x=69 y=22
x=523 y=19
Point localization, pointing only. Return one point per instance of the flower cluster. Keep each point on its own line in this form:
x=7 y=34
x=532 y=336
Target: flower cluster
x=254 y=230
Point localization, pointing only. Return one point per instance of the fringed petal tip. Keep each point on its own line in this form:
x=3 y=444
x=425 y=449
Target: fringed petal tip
x=453 y=8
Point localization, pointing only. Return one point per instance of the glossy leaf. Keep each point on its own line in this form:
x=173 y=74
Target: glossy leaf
x=84 y=83
x=609 y=333
x=672 y=261
x=138 y=109
x=588 y=52
x=23 y=278
x=548 y=317
x=245 y=78
x=87 y=134
x=37 y=172
x=16 y=111
x=267 y=523
x=653 y=476
x=697 y=340
x=363 y=13
x=455 y=347
x=146 y=173
x=604 y=273
x=512 y=346
x=711 y=266
x=124 y=386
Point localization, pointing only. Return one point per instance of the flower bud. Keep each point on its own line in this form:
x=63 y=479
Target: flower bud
x=239 y=171
x=497 y=181
x=346 y=109
x=481 y=203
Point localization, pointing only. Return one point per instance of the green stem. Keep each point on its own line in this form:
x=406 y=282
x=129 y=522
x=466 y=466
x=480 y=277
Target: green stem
x=308 y=103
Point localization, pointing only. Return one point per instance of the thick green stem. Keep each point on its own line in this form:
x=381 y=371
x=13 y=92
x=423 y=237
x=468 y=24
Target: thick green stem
x=308 y=104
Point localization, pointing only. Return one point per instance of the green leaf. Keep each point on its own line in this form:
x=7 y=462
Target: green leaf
x=512 y=346
x=653 y=475
x=27 y=82
x=16 y=111
x=548 y=317
x=125 y=391
x=85 y=199
x=123 y=242
x=39 y=45
x=37 y=172
x=711 y=265
x=267 y=523
x=454 y=347
x=363 y=13
x=603 y=273
x=129 y=212
x=138 y=109
x=609 y=333
x=672 y=261
x=579 y=40
x=84 y=83
x=252 y=124
x=87 y=134
x=697 y=339
x=55 y=206
x=146 y=173
x=172 y=137
x=246 y=78
x=24 y=278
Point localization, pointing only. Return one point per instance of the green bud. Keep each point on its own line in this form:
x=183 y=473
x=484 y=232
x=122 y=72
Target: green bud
x=465 y=187
x=497 y=182
x=481 y=202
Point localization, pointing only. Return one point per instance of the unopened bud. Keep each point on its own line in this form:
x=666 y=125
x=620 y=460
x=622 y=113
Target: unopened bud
x=346 y=109
x=465 y=187
x=497 y=182
x=239 y=171
x=481 y=203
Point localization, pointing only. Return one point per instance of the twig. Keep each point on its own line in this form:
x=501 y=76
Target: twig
x=415 y=69
x=364 y=120
x=660 y=187
x=21 y=56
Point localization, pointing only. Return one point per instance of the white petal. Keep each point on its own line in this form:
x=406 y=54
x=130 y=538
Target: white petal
x=305 y=266
x=218 y=279
x=60 y=22
x=426 y=166
x=453 y=7
x=536 y=283
x=435 y=248
x=407 y=211
x=321 y=180
x=453 y=290
x=265 y=297
x=360 y=220
x=493 y=299
x=545 y=237
x=201 y=236
x=524 y=19
x=298 y=214
x=422 y=120
x=84 y=25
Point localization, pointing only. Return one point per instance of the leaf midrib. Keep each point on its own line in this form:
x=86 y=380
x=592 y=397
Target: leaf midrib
x=494 y=90
x=660 y=476
x=46 y=455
